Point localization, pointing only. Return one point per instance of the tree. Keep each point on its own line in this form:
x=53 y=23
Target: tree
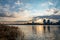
x=48 y=21
x=44 y=21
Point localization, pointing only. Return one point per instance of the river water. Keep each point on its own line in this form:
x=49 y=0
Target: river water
x=40 y=32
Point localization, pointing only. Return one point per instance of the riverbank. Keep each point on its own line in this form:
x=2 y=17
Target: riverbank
x=10 y=32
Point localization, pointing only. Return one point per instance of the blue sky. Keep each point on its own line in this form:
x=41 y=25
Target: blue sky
x=25 y=9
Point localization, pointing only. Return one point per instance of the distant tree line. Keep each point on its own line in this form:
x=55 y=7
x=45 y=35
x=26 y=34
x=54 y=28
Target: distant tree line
x=48 y=22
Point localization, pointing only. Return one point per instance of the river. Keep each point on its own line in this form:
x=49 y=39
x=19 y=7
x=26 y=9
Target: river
x=40 y=32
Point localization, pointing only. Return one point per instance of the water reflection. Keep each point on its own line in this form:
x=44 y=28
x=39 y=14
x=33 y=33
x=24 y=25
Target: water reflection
x=57 y=33
x=40 y=29
x=34 y=31
x=46 y=28
x=41 y=32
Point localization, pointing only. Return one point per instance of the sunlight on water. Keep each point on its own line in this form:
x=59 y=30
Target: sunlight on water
x=40 y=32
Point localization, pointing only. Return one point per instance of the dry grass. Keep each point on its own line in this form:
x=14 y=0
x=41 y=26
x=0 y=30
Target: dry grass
x=10 y=33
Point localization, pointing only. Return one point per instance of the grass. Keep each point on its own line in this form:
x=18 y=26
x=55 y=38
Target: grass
x=10 y=33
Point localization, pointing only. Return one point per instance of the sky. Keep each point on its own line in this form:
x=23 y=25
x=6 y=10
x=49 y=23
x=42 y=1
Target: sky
x=18 y=10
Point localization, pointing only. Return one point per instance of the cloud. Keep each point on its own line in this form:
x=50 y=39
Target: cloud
x=44 y=4
x=50 y=3
x=52 y=14
x=53 y=11
x=28 y=6
x=22 y=9
x=50 y=11
x=47 y=4
x=4 y=11
x=22 y=15
x=51 y=17
x=18 y=2
x=7 y=15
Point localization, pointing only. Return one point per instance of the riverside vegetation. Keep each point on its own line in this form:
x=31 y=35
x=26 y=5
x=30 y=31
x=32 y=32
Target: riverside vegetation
x=10 y=33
